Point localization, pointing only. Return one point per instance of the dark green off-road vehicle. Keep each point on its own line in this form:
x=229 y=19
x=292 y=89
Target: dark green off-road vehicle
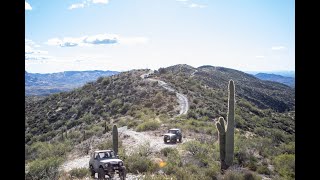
x=172 y=136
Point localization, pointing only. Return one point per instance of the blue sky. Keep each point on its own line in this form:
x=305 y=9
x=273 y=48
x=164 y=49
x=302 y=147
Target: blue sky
x=248 y=35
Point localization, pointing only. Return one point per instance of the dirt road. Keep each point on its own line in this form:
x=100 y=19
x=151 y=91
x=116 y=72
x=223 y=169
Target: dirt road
x=182 y=99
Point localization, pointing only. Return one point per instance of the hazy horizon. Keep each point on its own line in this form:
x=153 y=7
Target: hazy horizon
x=122 y=35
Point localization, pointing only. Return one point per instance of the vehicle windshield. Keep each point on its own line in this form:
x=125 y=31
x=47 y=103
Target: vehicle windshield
x=106 y=155
x=172 y=131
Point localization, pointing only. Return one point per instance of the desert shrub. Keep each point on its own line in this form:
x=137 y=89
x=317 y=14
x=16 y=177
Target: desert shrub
x=132 y=124
x=278 y=136
x=200 y=151
x=250 y=176
x=233 y=175
x=241 y=157
x=43 y=150
x=166 y=151
x=136 y=163
x=150 y=176
x=44 y=168
x=148 y=125
x=263 y=170
x=105 y=81
x=284 y=164
x=252 y=165
x=88 y=118
x=108 y=144
x=122 y=122
x=288 y=148
x=79 y=172
x=87 y=102
x=74 y=135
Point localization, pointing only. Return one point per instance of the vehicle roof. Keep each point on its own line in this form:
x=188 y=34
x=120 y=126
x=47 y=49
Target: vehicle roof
x=98 y=151
x=174 y=129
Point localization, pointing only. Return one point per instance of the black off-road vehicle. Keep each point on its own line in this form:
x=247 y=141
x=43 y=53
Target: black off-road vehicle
x=173 y=136
x=105 y=162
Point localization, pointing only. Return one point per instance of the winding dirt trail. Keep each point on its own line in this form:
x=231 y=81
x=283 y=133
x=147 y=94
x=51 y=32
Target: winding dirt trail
x=133 y=139
x=137 y=139
x=182 y=99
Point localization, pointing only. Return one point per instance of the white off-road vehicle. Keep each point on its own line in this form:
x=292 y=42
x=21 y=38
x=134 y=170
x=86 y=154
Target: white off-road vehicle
x=105 y=162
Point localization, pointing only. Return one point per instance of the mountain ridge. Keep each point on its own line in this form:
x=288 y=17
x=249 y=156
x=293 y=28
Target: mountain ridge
x=290 y=81
x=49 y=83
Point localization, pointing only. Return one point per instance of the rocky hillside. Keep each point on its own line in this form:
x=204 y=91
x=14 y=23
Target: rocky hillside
x=119 y=95
x=263 y=94
x=264 y=121
x=45 y=84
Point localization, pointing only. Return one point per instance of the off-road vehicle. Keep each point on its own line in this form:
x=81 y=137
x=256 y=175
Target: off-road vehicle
x=172 y=136
x=105 y=162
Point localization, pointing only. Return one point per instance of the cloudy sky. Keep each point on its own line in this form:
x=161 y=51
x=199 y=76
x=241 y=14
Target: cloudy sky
x=248 y=35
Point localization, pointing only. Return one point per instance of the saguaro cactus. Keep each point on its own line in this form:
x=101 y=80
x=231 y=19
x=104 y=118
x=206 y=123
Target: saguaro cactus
x=226 y=133
x=230 y=126
x=115 y=138
x=222 y=141
x=66 y=130
x=84 y=135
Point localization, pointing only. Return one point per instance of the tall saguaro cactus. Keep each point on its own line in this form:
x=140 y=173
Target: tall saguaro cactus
x=115 y=138
x=230 y=126
x=226 y=132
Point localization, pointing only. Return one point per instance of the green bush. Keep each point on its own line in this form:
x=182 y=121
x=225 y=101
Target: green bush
x=79 y=172
x=149 y=176
x=288 y=148
x=233 y=175
x=44 y=168
x=251 y=176
x=43 y=150
x=108 y=144
x=263 y=170
x=136 y=163
x=166 y=151
x=284 y=164
x=148 y=125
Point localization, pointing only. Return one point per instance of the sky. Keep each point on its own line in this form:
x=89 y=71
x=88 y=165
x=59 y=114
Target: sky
x=121 y=35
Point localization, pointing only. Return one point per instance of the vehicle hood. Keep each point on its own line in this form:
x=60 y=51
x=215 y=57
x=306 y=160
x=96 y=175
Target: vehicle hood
x=111 y=161
x=169 y=134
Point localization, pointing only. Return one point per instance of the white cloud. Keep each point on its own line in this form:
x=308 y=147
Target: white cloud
x=76 y=6
x=102 y=39
x=259 y=57
x=194 y=5
x=278 y=48
x=182 y=0
x=29 y=42
x=32 y=53
x=87 y=3
x=27 y=6
x=99 y=39
x=100 y=1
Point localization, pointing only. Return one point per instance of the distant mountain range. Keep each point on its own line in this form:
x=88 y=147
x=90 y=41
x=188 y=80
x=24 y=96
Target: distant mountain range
x=45 y=84
x=290 y=81
x=282 y=73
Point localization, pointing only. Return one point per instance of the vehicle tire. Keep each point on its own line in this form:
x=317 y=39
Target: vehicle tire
x=92 y=172
x=174 y=140
x=101 y=173
x=165 y=140
x=180 y=139
x=123 y=173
